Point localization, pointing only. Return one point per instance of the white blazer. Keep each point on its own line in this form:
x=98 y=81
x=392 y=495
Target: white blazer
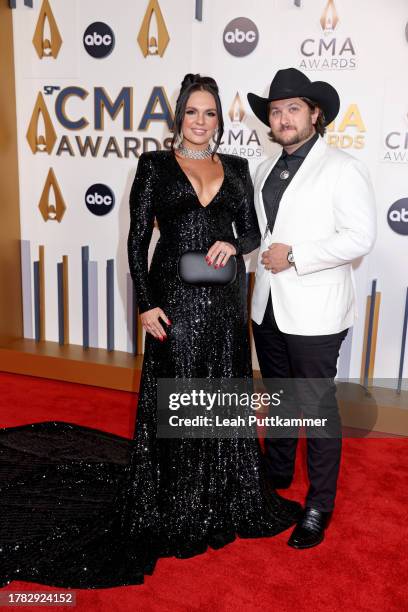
x=327 y=214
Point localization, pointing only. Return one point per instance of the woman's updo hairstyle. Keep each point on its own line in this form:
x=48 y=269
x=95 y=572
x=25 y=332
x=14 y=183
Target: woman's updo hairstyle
x=190 y=84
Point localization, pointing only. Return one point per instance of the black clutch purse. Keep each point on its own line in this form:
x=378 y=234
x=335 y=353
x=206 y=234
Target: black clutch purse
x=194 y=270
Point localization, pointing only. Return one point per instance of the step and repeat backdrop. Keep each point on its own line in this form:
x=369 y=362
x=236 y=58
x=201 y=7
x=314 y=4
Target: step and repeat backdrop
x=96 y=86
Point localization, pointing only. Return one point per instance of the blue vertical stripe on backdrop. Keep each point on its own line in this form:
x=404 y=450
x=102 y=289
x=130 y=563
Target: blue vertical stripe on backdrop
x=26 y=289
x=403 y=344
x=110 y=305
x=131 y=315
x=370 y=331
x=199 y=10
x=13 y=3
x=37 y=318
x=61 y=314
x=85 y=293
x=93 y=304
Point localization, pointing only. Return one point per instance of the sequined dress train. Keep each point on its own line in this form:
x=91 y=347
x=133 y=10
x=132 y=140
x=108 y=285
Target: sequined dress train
x=82 y=508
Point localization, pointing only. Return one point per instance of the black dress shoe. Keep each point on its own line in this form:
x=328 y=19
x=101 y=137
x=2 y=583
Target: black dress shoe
x=309 y=531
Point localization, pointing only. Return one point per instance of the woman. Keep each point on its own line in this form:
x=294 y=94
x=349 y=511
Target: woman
x=81 y=508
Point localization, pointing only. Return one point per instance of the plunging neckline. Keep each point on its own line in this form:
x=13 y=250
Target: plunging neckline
x=192 y=186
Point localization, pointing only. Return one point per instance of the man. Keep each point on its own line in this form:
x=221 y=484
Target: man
x=316 y=214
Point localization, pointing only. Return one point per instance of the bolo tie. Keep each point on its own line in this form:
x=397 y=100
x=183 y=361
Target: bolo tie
x=285 y=174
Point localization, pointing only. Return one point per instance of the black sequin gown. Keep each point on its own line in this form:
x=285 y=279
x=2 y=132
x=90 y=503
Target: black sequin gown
x=82 y=508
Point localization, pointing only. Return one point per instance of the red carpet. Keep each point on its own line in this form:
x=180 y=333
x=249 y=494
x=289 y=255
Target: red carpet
x=362 y=564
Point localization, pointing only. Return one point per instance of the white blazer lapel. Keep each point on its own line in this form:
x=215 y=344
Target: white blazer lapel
x=315 y=154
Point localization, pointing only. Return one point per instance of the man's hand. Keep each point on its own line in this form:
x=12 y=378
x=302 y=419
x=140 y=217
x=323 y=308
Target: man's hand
x=275 y=258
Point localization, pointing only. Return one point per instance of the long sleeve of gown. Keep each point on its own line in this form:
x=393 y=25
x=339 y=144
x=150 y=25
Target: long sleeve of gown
x=246 y=222
x=140 y=233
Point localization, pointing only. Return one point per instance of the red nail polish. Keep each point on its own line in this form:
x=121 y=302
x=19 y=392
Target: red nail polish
x=170 y=323
x=216 y=266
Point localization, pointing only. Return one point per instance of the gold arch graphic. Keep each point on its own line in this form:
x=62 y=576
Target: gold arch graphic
x=236 y=112
x=374 y=333
x=52 y=205
x=41 y=142
x=329 y=18
x=47 y=46
x=149 y=44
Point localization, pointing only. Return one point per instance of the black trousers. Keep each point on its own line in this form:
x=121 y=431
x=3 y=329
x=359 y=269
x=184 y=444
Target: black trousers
x=292 y=356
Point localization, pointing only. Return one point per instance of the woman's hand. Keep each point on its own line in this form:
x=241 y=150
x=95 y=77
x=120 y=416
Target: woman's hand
x=219 y=253
x=151 y=322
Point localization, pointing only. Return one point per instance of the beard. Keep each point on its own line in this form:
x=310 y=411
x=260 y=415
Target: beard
x=290 y=137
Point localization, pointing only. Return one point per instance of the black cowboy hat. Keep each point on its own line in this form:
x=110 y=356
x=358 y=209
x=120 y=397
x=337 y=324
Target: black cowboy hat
x=291 y=83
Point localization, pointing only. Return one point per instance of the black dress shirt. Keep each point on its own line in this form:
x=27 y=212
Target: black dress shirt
x=274 y=186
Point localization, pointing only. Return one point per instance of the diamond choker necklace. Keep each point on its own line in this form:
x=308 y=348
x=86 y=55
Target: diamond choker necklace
x=195 y=153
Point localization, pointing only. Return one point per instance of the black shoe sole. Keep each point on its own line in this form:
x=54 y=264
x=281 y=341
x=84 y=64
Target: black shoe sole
x=304 y=546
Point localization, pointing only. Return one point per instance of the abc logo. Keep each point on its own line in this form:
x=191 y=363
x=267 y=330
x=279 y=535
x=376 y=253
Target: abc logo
x=99 y=199
x=398 y=217
x=240 y=36
x=99 y=39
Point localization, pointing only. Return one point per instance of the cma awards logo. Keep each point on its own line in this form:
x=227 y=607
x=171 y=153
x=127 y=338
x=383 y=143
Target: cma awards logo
x=398 y=217
x=42 y=133
x=328 y=52
x=153 y=36
x=52 y=205
x=239 y=139
x=396 y=143
x=47 y=39
x=348 y=131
